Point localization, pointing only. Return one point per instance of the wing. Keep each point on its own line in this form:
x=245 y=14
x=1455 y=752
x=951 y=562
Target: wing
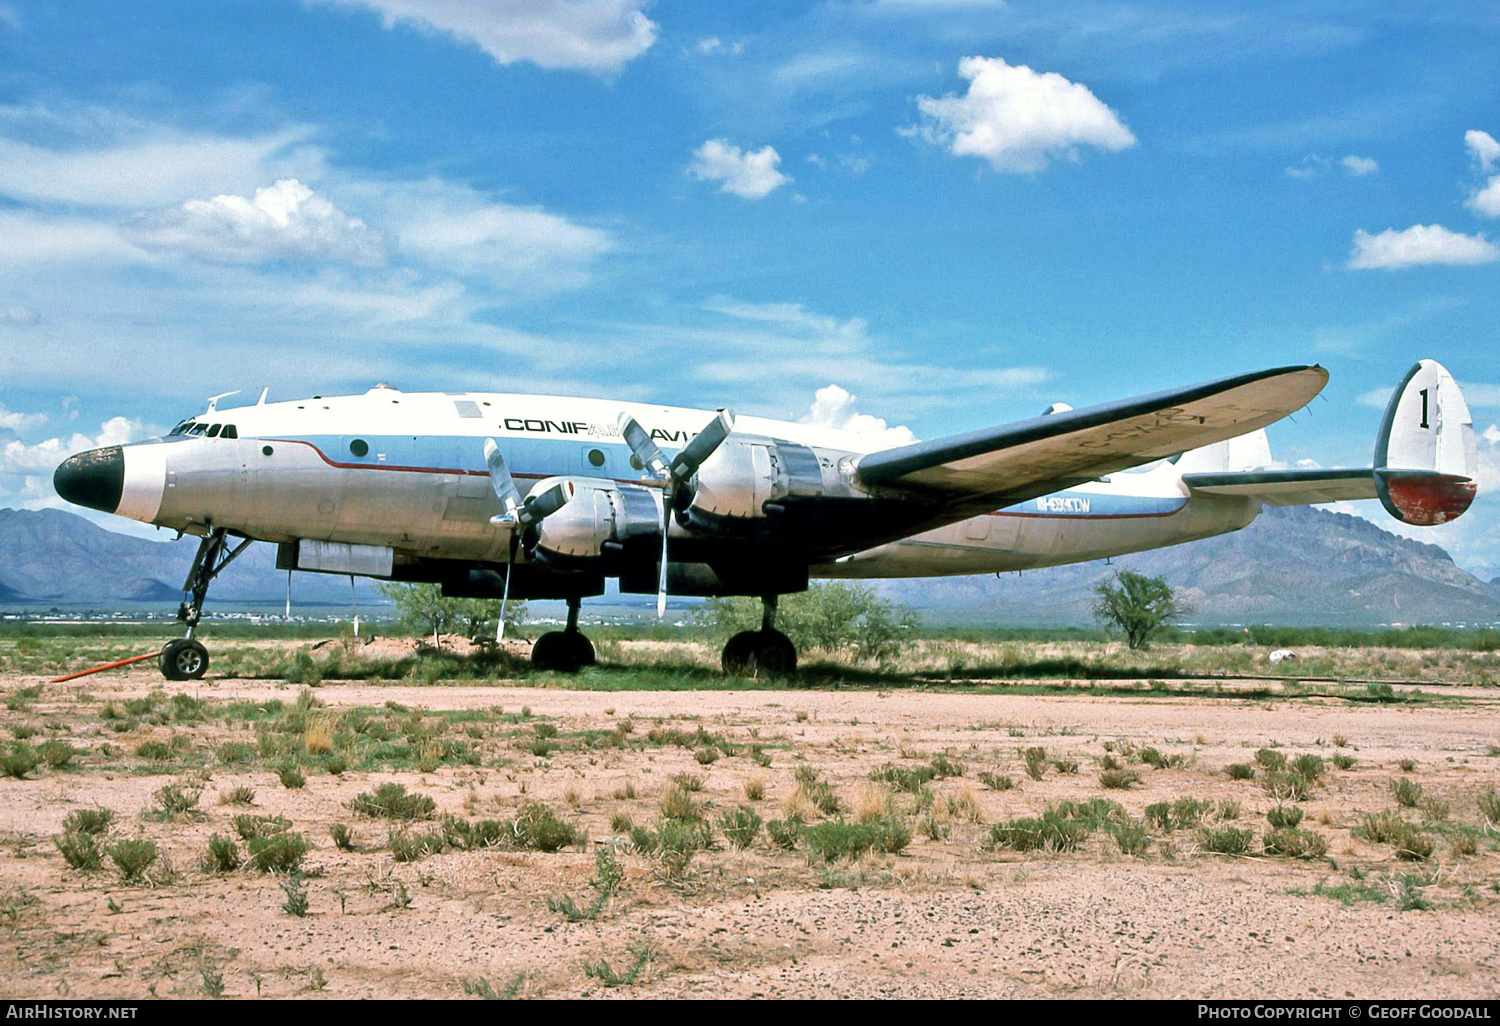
x=1004 y=465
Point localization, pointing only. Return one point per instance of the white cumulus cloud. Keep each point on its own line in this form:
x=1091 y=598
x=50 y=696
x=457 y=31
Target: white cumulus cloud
x=833 y=407
x=751 y=174
x=10 y=420
x=1017 y=119
x=1484 y=148
x=1418 y=245
x=43 y=457
x=284 y=221
x=1360 y=166
x=599 y=36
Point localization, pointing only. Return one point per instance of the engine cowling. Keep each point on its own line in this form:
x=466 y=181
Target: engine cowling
x=600 y=513
x=746 y=474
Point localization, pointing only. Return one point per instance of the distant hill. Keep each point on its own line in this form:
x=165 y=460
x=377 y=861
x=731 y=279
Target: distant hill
x=1297 y=565
x=1292 y=565
x=52 y=557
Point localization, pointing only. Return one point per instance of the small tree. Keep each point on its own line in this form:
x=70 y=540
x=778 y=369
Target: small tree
x=829 y=615
x=1138 y=605
x=424 y=608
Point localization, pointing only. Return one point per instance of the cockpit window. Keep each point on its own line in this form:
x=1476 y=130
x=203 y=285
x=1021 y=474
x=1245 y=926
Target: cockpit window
x=213 y=431
x=181 y=428
x=229 y=432
x=197 y=429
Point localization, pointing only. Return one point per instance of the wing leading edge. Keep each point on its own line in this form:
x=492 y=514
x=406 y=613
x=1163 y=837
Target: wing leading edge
x=1015 y=462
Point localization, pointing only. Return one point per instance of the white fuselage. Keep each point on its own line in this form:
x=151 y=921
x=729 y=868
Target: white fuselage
x=407 y=471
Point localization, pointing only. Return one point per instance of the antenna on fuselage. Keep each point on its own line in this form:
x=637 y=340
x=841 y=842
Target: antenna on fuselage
x=263 y=393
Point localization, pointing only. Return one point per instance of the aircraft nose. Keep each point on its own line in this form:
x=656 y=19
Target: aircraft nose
x=95 y=479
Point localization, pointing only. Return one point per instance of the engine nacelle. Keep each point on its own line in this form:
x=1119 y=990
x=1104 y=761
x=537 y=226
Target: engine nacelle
x=745 y=474
x=600 y=513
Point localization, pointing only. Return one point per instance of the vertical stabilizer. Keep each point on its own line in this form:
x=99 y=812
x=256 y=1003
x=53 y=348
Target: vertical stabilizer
x=1425 y=457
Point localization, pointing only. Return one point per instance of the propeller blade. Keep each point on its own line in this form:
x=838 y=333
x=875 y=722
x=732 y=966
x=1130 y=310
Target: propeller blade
x=641 y=445
x=500 y=480
x=510 y=564
x=661 y=581
x=547 y=503
x=686 y=463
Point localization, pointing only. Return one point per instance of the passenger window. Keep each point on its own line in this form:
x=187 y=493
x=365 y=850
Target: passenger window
x=596 y=458
x=213 y=432
x=229 y=432
x=359 y=447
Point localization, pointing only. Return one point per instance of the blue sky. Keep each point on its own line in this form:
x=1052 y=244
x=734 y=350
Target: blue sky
x=957 y=212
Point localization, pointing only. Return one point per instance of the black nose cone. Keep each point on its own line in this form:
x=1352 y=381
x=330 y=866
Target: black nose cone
x=94 y=479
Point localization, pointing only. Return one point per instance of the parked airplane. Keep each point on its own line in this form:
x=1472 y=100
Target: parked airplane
x=498 y=495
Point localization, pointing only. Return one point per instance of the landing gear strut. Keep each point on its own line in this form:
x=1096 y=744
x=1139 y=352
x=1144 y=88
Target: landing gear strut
x=764 y=652
x=186 y=658
x=566 y=651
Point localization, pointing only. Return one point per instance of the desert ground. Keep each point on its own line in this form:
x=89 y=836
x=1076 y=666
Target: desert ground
x=924 y=843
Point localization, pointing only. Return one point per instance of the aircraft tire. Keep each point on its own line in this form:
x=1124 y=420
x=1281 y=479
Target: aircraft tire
x=562 y=651
x=760 y=653
x=183 y=659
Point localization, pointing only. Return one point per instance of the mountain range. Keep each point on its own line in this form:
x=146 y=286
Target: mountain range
x=1297 y=565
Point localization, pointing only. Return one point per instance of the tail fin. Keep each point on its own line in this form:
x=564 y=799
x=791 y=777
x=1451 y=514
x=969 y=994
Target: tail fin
x=1246 y=452
x=1425 y=456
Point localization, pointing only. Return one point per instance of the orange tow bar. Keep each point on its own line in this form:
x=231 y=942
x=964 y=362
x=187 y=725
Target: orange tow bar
x=106 y=666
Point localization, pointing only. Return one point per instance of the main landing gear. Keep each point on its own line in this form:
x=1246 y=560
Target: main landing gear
x=764 y=652
x=186 y=658
x=567 y=650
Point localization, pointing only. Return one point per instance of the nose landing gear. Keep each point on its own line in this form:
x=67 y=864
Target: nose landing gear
x=566 y=651
x=186 y=658
x=764 y=652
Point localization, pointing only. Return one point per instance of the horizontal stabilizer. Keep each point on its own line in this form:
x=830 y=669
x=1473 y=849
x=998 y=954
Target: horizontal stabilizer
x=1301 y=487
x=1045 y=454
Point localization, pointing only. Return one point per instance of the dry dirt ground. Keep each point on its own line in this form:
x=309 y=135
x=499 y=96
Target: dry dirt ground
x=947 y=917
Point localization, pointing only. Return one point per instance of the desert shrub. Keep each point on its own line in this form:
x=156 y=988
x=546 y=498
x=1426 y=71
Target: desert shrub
x=248 y=826
x=1035 y=759
x=755 y=788
x=1292 y=843
x=1270 y=759
x=1407 y=765
x=175 y=800
x=740 y=827
x=537 y=827
x=784 y=833
x=89 y=821
x=996 y=782
x=1050 y=831
x=1131 y=836
x=1308 y=766
x=1189 y=812
x=706 y=756
x=903 y=778
x=1407 y=792
x=291 y=777
x=1286 y=786
x=1284 y=817
x=390 y=801
x=1344 y=762
x=154 y=751
x=943 y=767
x=678 y=804
x=56 y=754
x=1153 y=758
x=236 y=753
x=608 y=875
x=829 y=615
x=1240 y=771
x=1119 y=780
x=278 y=853
x=19 y=761
x=238 y=796
x=1408 y=839
x=1226 y=840
x=674 y=842
x=132 y=858
x=343 y=837
x=296 y=896
x=835 y=840
x=80 y=849
x=223 y=855
x=1229 y=808
x=816 y=791
x=1489 y=806
x=406 y=846
x=1159 y=815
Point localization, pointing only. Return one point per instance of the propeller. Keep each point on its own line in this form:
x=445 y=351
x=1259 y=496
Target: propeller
x=676 y=476
x=518 y=514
